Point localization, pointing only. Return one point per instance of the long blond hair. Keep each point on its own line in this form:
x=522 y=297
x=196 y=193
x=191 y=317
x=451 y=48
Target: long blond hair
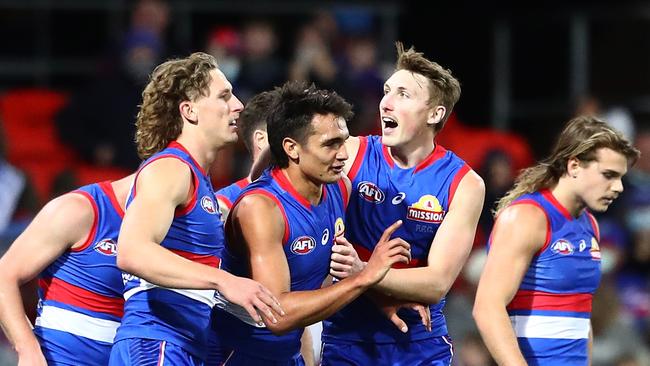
x=159 y=120
x=580 y=139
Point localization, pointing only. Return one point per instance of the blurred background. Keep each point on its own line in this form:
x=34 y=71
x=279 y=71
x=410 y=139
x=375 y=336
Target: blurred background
x=71 y=74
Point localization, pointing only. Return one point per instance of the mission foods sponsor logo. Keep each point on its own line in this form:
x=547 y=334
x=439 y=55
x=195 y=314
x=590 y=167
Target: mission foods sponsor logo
x=426 y=209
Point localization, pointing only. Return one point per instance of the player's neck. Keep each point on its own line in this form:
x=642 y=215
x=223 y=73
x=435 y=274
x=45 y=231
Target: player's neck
x=411 y=154
x=567 y=198
x=307 y=188
x=200 y=151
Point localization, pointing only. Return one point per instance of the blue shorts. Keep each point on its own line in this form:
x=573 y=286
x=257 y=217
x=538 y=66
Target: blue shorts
x=150 y=352
x=241 y=359
x=436 y=351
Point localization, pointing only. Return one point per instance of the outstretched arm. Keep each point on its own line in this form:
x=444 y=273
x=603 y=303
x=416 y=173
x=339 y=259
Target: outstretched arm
x=161 y=187
x=63 y=223
x=448 y=252
x=268 y=263
x=520 y=231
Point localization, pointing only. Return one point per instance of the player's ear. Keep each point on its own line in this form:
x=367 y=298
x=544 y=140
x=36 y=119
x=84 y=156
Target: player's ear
x=260 y=139
x=188 y=112
x=436 y=114
x=291 y=148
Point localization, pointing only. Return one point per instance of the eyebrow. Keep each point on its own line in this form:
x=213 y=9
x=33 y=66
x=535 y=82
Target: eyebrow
x=614 y=172
x=340 y=139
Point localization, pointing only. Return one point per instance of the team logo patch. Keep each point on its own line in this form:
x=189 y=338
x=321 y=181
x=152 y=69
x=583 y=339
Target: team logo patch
x=208 y=205
x=106 y=247
x=562 y=247
x=595 y=249
x=339 y=227
x=426 y=209
x=303 y=245
x=370 y=192
x=399 y=198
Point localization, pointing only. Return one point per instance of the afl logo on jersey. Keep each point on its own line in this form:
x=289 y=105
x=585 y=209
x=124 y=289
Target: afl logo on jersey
x=303 y=245
x=562 y=247
x=106 y=247
x=426 y=209
x=208 y=205
x=370 y=192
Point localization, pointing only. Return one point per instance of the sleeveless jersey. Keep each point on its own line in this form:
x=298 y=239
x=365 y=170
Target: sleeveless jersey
x=307 y=243
x=383 y=193
x=178 y=316
x=551 y=310
x=229 y=194
x=80 y=293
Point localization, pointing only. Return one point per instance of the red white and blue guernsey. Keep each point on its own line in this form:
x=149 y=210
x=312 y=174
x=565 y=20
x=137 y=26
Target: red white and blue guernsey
x=309 y=234
x=550 y=313
x=178 y=316
x=229 y=194
x=383 y=193
x=80 y=293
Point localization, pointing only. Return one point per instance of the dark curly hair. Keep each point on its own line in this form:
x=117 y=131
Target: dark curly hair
x=291 y=116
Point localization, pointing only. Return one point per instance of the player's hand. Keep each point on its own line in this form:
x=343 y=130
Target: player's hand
x=390 y=310
x=345 y=260
x=258 y=301
x=386 y=253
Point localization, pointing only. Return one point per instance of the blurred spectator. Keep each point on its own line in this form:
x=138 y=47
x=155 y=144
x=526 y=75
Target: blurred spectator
x=616 y=116
x=18 y=202
x=615 y=335
x=472 y=144
x=498 y=174
x=262 y=68
x=634 y=208
x=99 y=122
x=313 y=60
x=361 y=83
x=224 y=43
x=151 y=16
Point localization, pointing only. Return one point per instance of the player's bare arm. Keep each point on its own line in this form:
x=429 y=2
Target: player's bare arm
x=448 y=252
x=263 y=241
x=161 y=187
x=519 y=233
x=62 y=224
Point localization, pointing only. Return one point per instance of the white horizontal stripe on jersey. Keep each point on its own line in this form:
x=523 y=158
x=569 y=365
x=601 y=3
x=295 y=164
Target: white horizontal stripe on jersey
x=203 y=296
x=78 y=324
x=558 y=327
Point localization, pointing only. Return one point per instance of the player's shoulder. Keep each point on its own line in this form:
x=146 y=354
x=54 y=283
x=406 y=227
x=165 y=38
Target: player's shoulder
x=525 y=212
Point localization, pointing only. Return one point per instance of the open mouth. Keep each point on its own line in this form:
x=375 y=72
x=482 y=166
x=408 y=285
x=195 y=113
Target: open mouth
x=233 y=123
x=389 y=122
